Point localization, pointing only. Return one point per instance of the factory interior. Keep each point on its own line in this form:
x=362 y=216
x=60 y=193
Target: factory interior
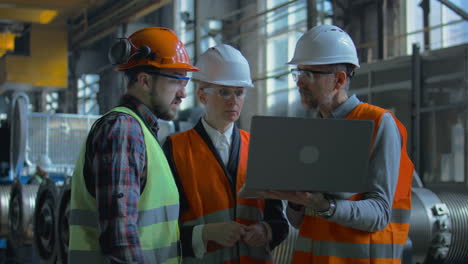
x=56 y=80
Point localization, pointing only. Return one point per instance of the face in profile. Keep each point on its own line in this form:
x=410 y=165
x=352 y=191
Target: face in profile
x=167 y=93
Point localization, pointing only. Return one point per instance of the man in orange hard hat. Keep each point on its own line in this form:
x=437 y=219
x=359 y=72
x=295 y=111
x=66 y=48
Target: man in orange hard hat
x=124 y=201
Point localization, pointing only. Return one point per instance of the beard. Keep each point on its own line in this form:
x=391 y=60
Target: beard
x=161 y=108
x=314 y=102
x=163 y=112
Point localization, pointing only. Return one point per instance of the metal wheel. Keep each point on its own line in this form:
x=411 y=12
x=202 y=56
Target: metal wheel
x=4 y=208
x=45 y=241
x=21 y=213
x=62 y=228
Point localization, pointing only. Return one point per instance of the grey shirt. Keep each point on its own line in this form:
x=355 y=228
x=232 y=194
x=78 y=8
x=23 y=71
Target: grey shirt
x=373 y=212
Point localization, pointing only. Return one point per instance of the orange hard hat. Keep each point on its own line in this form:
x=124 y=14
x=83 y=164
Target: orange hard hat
x=154 y=46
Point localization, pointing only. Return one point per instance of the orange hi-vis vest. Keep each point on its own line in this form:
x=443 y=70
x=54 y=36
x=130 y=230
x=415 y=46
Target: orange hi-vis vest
x=211 y=198
x=324 y=242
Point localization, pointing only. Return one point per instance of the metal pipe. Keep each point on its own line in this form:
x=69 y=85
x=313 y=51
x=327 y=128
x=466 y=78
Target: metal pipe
x=15 y=169
x=245 y=20
x=380 y=29
x=109 y=25
x=426 y=6
x=465 y=80
x=416 y=105
x=311 y=13
x=455 y=8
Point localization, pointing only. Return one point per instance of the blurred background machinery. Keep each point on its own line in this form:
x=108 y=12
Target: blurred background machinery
x=55 y=80
x=438 y=227
x=36 y=216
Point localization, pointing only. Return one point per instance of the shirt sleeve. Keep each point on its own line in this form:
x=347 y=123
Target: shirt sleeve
x=295 y=213
x=274 y=216
x=199 y=247
x=373 y=212
x=118 y=165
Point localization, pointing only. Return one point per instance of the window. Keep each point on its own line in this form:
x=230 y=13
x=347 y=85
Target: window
x=446 y=27
x=52 y=104
x=88 y=87
x=285 y=24
x=185 y=11
x=185 y=28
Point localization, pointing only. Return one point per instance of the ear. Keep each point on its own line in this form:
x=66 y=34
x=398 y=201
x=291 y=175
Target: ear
x=201 y=95
x=144 y=80
x=341 y=79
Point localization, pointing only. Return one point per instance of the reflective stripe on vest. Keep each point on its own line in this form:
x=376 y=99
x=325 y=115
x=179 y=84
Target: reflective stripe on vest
x=243 y=211
x=323 y=241
x=211 y=203
x=167 y=254
x=348 y=250
x=229 y=254
x=145 y=218
x=158 y=210
x=401 y=216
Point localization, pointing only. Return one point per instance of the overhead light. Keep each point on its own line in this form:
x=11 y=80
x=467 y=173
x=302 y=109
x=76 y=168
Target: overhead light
x=7 y=42
x=7 y=5
x=46 y=16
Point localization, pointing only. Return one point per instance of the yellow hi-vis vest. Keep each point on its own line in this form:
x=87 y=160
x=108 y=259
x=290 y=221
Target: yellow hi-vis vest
x=158 y=210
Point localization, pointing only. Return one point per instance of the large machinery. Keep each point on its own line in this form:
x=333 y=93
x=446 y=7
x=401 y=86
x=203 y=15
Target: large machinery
x=38 y=215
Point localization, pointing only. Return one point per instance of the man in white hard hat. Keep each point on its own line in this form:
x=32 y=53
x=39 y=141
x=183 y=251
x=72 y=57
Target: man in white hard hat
x=43 y=165
x=350 y=228
x=209 y=163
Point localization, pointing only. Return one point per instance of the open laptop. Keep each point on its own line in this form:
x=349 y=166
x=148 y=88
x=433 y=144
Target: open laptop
x=299 y=154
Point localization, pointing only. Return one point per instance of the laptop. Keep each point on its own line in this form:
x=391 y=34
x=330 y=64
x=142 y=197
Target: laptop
x=300 y=154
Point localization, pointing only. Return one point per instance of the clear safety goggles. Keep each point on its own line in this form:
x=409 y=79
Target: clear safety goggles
x=227 y=93
x=308 y=74
x=181 y=80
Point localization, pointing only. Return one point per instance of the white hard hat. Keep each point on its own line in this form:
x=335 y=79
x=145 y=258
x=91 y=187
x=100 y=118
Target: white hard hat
x=44 y=162
x=223 y=65
x=325 y=44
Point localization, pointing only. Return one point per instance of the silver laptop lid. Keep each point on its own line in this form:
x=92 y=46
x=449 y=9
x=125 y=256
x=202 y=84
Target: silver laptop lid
x=298 y=154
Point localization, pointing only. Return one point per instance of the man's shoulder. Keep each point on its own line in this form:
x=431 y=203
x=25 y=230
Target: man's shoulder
x=373 y=108
x=244 y=133
x=116 y=123
x=182 y=134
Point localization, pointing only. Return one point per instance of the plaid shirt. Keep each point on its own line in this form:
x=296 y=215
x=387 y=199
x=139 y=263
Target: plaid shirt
x=115 y=173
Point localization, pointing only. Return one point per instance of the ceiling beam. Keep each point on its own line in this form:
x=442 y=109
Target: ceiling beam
x=105 y=23
x=455 y=8
x=45 y=4
x=41 y=16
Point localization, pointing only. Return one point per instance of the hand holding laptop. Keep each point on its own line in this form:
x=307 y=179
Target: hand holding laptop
x=313 y=200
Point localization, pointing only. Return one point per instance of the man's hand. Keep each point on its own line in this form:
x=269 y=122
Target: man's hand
x=226 y=234
x=313 y=200
x=256 y=235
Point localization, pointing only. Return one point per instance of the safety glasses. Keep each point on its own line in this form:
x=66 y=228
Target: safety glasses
x=182 y=80
x=226 y=93
x=308 y=74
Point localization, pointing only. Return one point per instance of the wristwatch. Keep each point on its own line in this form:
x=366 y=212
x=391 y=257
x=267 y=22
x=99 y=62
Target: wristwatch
x=331 y=208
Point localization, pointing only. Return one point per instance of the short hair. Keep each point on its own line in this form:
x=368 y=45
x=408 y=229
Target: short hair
x=348 y=68
x=131 y=74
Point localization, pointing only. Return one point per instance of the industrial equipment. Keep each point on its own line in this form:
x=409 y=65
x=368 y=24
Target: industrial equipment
x=45 y=239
